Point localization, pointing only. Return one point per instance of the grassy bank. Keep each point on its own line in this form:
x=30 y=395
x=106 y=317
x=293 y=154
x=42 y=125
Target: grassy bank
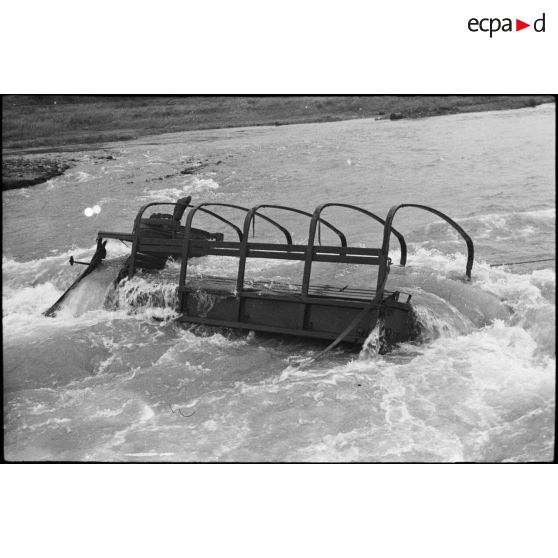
x=51 y=121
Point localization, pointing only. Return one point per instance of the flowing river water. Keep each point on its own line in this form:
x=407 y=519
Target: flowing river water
x=126 y=382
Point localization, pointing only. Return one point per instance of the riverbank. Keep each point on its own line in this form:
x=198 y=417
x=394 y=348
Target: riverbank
x=19 y=172
x=49 y=121
x=47 y=124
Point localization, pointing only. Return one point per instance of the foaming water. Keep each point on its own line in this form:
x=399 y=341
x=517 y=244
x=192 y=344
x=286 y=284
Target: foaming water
x=150 y=299
x=200 y=187
x=114 y=377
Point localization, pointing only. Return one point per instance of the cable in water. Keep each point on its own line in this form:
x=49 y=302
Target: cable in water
x=524 y=262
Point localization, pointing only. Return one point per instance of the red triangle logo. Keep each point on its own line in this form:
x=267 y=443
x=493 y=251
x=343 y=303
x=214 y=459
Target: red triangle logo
x=519 y=25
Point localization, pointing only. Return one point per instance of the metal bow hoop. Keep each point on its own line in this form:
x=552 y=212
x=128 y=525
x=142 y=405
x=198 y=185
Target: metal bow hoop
x=466 y=237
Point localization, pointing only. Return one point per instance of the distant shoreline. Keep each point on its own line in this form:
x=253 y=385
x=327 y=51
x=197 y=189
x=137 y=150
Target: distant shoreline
x=49 y=121
x=51 y=124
